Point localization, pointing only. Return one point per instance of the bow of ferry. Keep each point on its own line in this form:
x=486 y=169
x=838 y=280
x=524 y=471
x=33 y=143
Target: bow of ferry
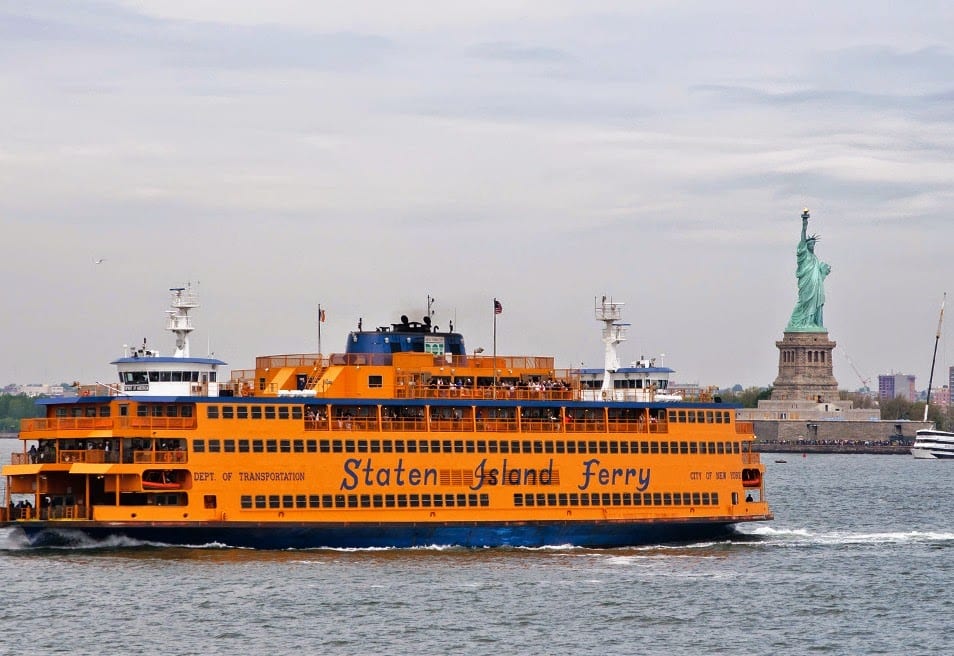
x=403 y=439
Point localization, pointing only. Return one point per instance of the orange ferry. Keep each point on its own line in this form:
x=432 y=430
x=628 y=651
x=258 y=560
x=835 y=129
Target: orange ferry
x=402 y=440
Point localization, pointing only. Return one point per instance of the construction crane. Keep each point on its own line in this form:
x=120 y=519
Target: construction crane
x=864 y=381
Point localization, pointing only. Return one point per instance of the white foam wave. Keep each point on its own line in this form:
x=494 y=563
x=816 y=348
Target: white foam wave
x=789 y=536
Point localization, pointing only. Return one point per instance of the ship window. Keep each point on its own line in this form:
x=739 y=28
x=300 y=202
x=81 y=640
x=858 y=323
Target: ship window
x=667 y=498
x=412 y=446
x=686 y=499
x=458 y=446
x=123 y=411
x=324 y=446
x=298 y=446
x=414 y=500
x=352 y=500
x=165 y=376
x=593 y=448
x=229 y=446
x=377 y=501
x=271 y=446
x=614 y=447
x=153 y=376
x=273 y=501
x=209 y=500
x=198 y=446
x=637 y=499
x=735 y=447
x=654 y=447
x=301 y=501
x=104 y=411
x=172 y=411
x=246 y=501
x=283 y=412
x=241 y=412
x=375 y=381
x=389 y=500
x=402 y=501
x=215 y=446
x=683 y=447
x=349 y=446
x=696 y=501
x=256 y=412
x=657 y=498
x=243 y=446
x=375 y=446
x=644 y=447
x=259 y=500
x=311 y=446
x=287 y=501
x=470 y=447
x=387 y=446
x=705 y=498
x=212 y=411
x=664 y=447
x=560 y=446
x=270 y=412
x=720 y=448
x=647 y=499
x=314 y=501
x=176 y=376
x=337 y=446
x=258 y=446
x=285 y=446
x=715 y=498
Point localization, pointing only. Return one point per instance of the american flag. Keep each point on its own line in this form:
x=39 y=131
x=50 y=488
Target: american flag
x=321 y=316
x=498 y=308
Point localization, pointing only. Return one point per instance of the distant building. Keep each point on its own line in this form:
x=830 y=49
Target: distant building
x=892 y=386
x=941 y=396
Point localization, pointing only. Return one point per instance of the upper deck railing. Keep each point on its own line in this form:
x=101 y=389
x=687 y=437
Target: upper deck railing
x=59 y=424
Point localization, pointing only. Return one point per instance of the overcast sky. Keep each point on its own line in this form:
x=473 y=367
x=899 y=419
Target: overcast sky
x=365 y=155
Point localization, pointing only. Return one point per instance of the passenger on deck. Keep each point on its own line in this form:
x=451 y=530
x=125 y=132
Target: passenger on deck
x=33 y=454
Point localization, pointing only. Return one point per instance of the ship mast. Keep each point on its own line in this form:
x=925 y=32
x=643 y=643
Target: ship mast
x=937 y=339
x=614 y=332
x=180 y=323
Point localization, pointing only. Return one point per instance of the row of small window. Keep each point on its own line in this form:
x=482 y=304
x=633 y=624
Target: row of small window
x=254 y=412
x=700 y=416
x=143 y=377
x=617 y=499
x=82 y=411
x=299 y=501
x=160 y=410
x=466 y=446
x=295 y=412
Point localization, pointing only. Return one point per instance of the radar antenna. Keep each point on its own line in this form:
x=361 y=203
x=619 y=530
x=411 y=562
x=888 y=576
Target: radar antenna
x=614 y=332
x=180 y=323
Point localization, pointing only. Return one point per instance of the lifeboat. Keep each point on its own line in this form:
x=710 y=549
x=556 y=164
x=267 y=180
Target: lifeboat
x=751 y=478
x=153 y=479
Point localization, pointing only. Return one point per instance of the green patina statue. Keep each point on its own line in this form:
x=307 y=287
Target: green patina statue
x=811 y=273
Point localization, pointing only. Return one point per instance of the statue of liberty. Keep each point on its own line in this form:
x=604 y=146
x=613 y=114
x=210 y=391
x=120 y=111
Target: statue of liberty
x=811 y=273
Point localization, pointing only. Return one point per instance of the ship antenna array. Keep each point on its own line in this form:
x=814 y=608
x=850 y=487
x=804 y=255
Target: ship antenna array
x=180 y=323
x=614 y=332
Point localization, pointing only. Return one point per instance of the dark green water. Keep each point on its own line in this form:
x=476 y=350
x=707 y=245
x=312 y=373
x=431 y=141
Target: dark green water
x=859 y=560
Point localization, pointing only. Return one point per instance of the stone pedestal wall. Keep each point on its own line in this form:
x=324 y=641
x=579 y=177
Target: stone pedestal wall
x=805 y=368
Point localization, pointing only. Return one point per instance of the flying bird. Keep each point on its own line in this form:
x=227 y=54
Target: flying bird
x=99 y=261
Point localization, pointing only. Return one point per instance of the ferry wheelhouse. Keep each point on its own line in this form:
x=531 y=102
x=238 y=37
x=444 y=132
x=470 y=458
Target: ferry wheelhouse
x=403 y=439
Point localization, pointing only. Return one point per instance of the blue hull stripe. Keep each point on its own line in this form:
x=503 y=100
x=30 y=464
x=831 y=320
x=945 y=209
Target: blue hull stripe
x=350 y=535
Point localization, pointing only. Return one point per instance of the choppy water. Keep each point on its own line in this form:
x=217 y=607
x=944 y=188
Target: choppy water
x=859 y=560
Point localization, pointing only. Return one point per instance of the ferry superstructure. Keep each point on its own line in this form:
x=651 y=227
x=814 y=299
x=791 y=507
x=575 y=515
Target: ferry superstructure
x=404 y=439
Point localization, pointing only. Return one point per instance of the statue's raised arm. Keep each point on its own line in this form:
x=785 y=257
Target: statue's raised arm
x=807 y=317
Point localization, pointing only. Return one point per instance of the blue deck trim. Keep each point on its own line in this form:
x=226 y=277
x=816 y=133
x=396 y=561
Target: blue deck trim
x=605 y=534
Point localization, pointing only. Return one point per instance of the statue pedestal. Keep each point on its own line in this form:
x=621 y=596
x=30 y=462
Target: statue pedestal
x=805 y=368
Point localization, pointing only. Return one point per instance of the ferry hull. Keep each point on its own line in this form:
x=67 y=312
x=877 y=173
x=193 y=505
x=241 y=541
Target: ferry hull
x=604 y=534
